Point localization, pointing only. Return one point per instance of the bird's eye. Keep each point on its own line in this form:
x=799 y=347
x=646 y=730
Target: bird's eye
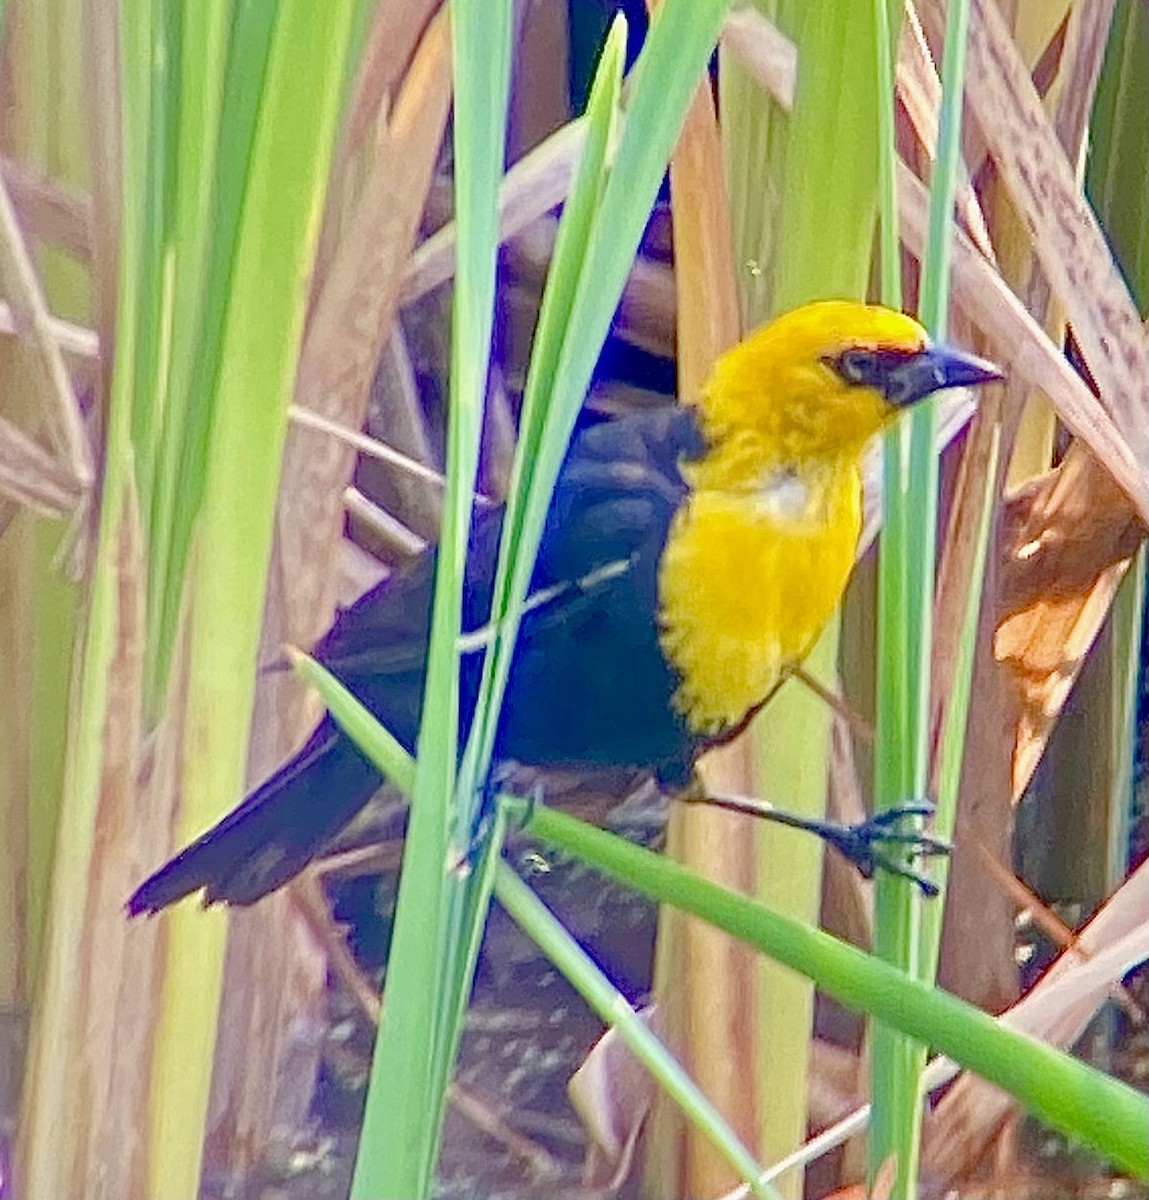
x=858 y=366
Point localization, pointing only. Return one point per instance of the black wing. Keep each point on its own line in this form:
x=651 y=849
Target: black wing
x=588 y=687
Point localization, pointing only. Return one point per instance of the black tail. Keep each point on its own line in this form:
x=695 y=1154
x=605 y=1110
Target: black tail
x=274 y=833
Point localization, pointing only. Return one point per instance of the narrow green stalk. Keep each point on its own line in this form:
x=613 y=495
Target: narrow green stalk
x=890 y=250
x=215 y=161
x=1069 y=1095
x=906 y=596
x=399 y=1143
x=470 y=898
x=146 y=33
x=552 y=937
x=197 y=71
x=536 y=424
x=601 y=247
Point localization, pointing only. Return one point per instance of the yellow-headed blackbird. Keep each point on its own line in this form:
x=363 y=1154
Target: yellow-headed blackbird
x=690 y=558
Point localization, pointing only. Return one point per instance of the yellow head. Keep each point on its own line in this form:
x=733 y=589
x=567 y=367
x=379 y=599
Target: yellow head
x=815 y=384
x=760 y=552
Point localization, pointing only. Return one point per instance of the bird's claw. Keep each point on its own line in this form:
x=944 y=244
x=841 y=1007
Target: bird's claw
x=464 y=861
x=894 y=814
x=880 y=842
x=498 y=784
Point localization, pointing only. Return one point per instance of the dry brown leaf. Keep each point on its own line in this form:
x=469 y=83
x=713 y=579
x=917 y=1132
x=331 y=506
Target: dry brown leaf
x=537 y=183
x=763 y=51
x=350 y=323
x=1065 y=543
x=50 y=212
x=1045 y=646
x=63 y=420
x=1060 y=532
x=32 y=476
x=613 y=1095
x=1055 y=1010
x=392 y=40
x=972 y=491
x=977 y=961
x=1067 y=238
x=920 y=92
x=1086 y=34
x=707 y=298
x=1023 y=348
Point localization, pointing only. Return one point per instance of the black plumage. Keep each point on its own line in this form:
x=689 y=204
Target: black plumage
x=589 y=685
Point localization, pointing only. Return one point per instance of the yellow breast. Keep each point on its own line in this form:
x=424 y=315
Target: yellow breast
x=747 y=580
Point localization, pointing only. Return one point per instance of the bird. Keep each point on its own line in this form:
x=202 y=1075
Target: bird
x=690 y=558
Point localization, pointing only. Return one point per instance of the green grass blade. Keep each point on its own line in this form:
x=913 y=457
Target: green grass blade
x=381 y=746
x=943 y=185
x=274 y=246
x=889 y=246
x=574 y=232
x=399 y=1144
x=677 y=48
x=146 y=33
x=194 y=410
x=197 y=72
x=552 y=937
x=469 y=896
x=1069 y=1095
x=906 y=594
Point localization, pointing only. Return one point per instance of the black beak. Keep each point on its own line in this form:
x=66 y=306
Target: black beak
x=934 y=369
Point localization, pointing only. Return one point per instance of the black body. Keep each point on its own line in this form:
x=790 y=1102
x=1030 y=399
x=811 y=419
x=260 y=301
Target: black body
x=589 y=685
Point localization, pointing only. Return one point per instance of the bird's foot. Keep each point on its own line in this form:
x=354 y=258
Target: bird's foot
x=881 y=841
